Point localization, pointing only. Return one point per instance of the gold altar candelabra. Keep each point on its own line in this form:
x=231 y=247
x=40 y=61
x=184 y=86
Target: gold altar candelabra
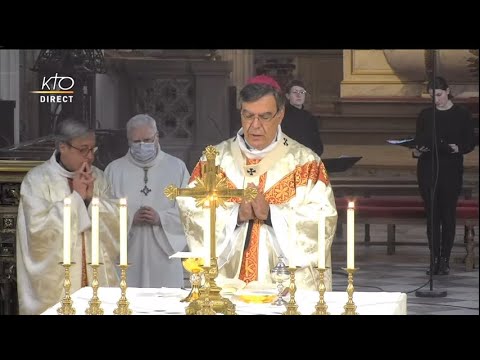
x=292 y=305
x=350 y=307
x=211 y=191
x=321 y=307
x=95 y=307
x=67 y=302
x=122 y=304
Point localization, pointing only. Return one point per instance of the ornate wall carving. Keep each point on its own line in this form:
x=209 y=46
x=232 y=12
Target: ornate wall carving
x=171 y=103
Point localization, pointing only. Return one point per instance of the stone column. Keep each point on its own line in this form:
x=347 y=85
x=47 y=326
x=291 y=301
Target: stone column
x=107 y=101
x=403 y=73
x=367 y=73
x=242 y=65
x=29 y=103
x=212 y=123
x=10 y=84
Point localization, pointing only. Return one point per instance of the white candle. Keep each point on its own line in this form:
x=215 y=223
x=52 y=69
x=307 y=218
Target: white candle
x=67 y=215
x=350 y=235
x=321 y=240
x=123 y=231
x=292 y=241
x=95 y=231
x=206 y=235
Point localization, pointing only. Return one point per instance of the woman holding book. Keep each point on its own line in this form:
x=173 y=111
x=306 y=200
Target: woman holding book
x=444 y=133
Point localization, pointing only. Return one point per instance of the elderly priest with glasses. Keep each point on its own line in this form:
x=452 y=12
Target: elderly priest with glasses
x=292 y=186
x=40 y=224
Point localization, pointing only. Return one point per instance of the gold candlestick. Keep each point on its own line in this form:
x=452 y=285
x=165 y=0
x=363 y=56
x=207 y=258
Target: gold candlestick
x=67 y=303
x=122 y=304
x=95 y=303
x=292 y=305
x=350 y=307
x=321 y=307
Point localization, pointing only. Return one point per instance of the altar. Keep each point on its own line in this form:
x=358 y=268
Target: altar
x=166 y=301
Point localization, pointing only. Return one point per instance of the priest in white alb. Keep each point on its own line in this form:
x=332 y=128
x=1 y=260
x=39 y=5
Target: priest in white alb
x=292 y=187
x=40 y=236
x=154 y=228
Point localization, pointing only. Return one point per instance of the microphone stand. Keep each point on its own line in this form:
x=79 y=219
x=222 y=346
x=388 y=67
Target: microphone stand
x=431 y=293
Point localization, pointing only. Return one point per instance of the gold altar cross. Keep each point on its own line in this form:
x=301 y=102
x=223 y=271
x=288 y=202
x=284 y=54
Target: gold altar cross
x=211 y=191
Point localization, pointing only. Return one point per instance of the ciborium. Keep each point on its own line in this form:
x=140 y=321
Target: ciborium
x=280 y=274
x=194 y=267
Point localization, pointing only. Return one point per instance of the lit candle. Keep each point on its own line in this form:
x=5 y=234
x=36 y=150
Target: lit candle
x=95 y=230
x=321 y=240
x=350 y=235
x=66 y=230
x=206 y=234
x=292 y=241
x=123 y=231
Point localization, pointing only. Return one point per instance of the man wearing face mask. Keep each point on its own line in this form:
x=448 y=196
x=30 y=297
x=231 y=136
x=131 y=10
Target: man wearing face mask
x=154 y=228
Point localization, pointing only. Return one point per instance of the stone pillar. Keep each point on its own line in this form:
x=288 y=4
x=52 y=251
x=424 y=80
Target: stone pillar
x=458 y=67
x=403 y=73
x=367 y=73
x=29 y=103
x=212 y=122
x=10 y=84
x=242 y=65
x=107 y=101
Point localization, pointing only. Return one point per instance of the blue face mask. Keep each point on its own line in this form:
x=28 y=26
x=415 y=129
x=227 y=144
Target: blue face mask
x=143 y=151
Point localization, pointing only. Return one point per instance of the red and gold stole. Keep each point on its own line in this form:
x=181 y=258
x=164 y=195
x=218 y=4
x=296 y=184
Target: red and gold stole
x=249 y=267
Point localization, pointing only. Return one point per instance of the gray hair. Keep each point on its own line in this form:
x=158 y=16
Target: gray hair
x=140 y=120
x=70 y=129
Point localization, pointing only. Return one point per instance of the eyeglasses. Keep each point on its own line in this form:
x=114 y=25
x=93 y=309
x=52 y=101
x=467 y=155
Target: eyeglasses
x=300 y=92
x=146 y=141
x=265 y=117
x=84 y=151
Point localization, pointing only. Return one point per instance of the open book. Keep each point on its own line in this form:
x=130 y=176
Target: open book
x=408 y=142
x=342 y=163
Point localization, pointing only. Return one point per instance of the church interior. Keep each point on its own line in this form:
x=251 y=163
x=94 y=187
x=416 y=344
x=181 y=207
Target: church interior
x=360 y=99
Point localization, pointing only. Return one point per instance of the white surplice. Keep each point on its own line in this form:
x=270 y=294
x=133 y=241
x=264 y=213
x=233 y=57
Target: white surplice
x=296 y=187
x=40 y=276
x=149 y=247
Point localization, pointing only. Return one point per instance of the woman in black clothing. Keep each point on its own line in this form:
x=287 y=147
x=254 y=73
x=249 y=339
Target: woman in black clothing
x=454 y=136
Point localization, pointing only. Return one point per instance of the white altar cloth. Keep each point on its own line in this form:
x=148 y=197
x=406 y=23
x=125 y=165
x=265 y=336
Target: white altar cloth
x=166 y=301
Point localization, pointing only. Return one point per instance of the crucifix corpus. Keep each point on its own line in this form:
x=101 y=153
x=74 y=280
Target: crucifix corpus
x=211 y=191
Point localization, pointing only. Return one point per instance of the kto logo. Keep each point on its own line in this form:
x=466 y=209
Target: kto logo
x=57 y=88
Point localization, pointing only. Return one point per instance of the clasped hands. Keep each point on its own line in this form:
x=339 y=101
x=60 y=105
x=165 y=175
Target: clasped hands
x=146 y=215
x=258 y=208
x=83 y=181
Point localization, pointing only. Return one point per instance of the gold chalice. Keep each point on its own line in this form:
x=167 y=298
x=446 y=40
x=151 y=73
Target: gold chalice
x=194 y=267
